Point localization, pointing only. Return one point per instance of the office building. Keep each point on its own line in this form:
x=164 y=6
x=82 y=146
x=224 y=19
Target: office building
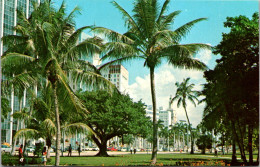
x=8 y=20
x=118 y=75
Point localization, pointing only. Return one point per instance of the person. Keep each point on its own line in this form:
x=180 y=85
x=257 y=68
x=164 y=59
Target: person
x=21 y=155
x=44 y=156
x=70 y=149
x=79 y=150
x=216 y=152
x=131 y=150
x=134 y=150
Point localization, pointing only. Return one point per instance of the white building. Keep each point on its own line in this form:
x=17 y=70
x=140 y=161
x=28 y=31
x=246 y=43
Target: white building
x=168 y=116
x=165 y=116
x=118 y=75
x=149 y=112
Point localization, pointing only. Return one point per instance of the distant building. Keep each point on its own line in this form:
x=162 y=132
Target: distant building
x=168 y=116
x=165 y=116
x=118 y=75
x=149 y=112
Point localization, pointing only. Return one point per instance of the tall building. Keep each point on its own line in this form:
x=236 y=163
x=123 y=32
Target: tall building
x=118 y=75
x=165 y=117
x=8 y=16
x=168 y=116
x=8 y=20
x=149 y=112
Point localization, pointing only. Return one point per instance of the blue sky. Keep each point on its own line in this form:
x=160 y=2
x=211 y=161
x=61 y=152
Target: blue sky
x=103 y=13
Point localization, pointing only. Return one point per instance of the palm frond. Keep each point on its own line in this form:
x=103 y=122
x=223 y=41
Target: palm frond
x=77 y=127
x=129 y=21
x=26 y=133
x=163 y=10
x=184 y=29
x=112 y=35
x=49 y=125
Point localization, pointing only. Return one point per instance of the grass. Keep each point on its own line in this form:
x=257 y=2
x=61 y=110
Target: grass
x=142 y=160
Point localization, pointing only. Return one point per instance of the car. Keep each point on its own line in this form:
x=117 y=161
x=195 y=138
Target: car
x=111 y=149
x=86 y=149
x=6 y=149
x=95 y=149
x=123 y=149
x=30 y=149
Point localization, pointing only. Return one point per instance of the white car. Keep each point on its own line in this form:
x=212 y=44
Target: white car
x=124 y=149
x=6 y=149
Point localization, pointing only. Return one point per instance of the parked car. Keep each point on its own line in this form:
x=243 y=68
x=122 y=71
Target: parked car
x=124 y=149
x=111 y=149
x=30 y=149
x=6 y=149
x=95 y=149
x=86 y=149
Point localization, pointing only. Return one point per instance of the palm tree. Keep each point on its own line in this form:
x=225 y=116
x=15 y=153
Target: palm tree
x=184 y=92
x=150 y=38
x=49 y=50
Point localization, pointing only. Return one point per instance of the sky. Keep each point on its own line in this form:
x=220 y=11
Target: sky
x=103 y=13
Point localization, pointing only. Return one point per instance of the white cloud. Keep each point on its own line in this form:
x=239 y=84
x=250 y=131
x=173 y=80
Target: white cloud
x=165 y=78
x=204 y=55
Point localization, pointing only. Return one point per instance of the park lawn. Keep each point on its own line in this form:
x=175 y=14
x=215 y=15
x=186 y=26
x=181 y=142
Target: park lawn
x=239 y=156
x=140 y=160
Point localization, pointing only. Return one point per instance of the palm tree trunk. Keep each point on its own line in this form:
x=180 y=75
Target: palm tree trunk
x=17 y=128
x=192 y=151
x=58 y=133
x=155 y=127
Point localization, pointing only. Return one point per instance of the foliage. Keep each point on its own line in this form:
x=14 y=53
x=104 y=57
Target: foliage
x=113 y=115
x=38 y=149
x=232 y=91
x=204 y=142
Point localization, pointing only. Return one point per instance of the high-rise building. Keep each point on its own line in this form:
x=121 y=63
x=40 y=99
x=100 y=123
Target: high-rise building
x=8 y=20
x=8 y=16
x=118 y=75
x=168 y=116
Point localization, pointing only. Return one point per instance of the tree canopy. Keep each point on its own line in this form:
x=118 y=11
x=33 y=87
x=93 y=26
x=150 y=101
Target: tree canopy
x=113 y=115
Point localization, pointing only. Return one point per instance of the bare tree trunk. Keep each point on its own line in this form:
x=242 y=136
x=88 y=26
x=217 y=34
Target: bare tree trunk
x=250 y=143
x=102 y=145
x=58 y=133
x=155 y=126
x=234 y=157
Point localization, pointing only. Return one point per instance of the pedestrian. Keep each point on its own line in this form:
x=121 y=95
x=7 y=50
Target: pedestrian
x=69 y=151
x=216 y=152
x=131 y=150
x=44 y=155
x=79 y=150
x=21 y=155
x=134 y=150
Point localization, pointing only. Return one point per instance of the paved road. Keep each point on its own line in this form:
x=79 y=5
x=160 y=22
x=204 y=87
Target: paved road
x=92 y=153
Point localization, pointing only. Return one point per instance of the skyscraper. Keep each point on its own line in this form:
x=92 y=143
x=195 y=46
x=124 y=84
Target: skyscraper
x=118 y=75
x=8 y=20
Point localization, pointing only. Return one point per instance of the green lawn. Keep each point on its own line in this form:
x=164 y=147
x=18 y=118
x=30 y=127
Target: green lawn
x=142 y=160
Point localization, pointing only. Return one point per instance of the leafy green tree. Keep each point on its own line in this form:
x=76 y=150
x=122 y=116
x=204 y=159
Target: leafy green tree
x=237 y=68
x=151 y=39
x=184 y=92
x=113 y=115
x=204 y=142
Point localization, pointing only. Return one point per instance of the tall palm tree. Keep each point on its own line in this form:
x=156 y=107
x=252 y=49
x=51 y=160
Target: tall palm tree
x=184 y=92
x=150 y=38
x=48 y=50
